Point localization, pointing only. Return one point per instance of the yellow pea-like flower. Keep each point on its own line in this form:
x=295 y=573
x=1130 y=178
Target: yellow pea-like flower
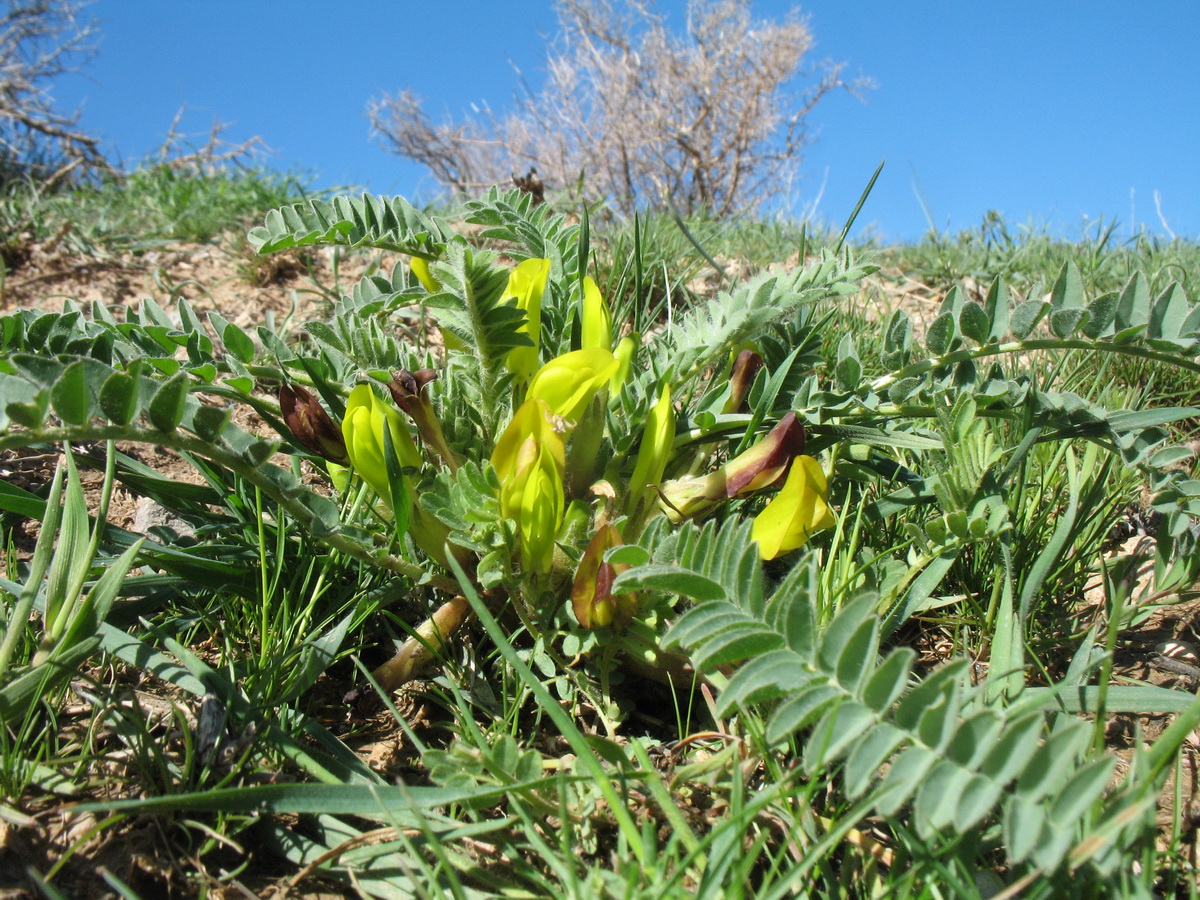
x=363 y=428
x=526 y=285
x=567 y=383
x=592 y=598
x=655 y=450
x=594 y=318
x=530 y=459
x=797 y=512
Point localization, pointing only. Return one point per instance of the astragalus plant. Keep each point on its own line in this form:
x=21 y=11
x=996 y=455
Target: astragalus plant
x=732 y=503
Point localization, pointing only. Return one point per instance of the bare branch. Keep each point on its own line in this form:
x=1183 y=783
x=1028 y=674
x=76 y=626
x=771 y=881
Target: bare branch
x=39 y=41
x=708 y=119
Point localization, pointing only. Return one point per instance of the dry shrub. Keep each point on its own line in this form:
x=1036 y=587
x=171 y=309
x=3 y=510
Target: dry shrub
x=39 y=41
x=632 y=113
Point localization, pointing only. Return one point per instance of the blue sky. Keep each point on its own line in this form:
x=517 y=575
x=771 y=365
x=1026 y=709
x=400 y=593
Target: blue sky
x=1055 y=114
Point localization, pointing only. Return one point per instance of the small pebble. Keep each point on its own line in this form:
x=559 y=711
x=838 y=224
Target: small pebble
x=1180 y=650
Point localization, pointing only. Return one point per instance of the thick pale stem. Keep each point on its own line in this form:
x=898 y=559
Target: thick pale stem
x=423 y=647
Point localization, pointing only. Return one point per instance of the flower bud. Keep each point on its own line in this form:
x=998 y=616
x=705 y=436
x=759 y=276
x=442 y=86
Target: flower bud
x=745 y=368
x=758 y=467
x=798 y=511
x=592 y=599
x=310 y=424
x=408 y=390
x=766 y=461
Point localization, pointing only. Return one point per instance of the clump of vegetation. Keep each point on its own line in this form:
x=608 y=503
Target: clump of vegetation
x=674 y=576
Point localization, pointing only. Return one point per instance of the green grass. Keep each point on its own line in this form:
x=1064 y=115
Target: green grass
x=152 y=205
x=1028 y=256
x=538 y=759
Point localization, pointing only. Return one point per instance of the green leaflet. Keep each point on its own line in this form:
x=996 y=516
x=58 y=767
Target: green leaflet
x=936 y=748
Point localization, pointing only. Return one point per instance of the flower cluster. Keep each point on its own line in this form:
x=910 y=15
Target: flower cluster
x=548 y=457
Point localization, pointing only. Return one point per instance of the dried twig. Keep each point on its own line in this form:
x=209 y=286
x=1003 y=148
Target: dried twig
x=709 y=119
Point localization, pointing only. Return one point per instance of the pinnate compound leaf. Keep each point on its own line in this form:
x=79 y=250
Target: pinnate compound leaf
x=388 y=223
x=933 y=745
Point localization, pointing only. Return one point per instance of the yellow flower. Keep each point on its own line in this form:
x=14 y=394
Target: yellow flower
x=594 y=318
x=624 y=355
x=420 y=268
x=526 y=285
x=655 y=450
x=797 y=512
x=529 y=459
x=567 y=383
x=363 y=428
